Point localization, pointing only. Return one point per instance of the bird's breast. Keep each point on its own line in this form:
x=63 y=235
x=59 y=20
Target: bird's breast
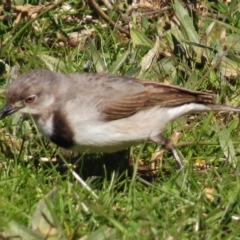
x=57 y=129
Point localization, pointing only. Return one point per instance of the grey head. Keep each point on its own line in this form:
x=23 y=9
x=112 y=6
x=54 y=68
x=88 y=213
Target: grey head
x=31 y=93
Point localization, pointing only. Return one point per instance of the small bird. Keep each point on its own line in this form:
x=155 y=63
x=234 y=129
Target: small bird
x=92 y=113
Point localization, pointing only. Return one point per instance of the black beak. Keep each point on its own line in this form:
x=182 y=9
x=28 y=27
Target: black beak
x=7 y=110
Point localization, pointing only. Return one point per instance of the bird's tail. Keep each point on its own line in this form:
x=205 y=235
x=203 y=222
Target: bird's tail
x=218 y=108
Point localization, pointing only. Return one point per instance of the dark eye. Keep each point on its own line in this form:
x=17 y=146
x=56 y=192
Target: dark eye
x=30 y=99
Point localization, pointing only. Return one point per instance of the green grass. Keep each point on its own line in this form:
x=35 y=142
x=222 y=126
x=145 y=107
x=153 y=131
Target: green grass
x=122 y=200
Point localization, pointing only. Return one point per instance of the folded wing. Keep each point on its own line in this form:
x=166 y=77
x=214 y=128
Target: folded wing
x=142 y=95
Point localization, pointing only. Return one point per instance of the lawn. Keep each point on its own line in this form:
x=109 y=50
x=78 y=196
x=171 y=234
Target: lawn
x=50 y=193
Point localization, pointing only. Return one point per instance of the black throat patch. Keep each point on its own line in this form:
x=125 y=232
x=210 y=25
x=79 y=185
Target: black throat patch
x=62 y=132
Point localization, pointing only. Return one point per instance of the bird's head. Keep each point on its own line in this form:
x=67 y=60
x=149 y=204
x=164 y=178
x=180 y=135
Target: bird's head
x=31 y=93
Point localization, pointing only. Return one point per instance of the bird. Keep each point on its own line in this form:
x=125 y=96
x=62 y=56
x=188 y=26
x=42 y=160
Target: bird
x=99 y=112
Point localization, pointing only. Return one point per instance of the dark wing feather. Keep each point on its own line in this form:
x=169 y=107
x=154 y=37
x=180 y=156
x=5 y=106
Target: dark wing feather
x=150 y=94
x=124 y=107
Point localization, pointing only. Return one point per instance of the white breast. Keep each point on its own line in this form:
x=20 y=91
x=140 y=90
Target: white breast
x=45 y=125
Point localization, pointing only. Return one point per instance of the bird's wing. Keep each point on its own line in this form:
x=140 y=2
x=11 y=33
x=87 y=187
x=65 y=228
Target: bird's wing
x=119 y=97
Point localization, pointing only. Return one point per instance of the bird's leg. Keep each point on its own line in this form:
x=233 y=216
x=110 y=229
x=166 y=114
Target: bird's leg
x=167 y=144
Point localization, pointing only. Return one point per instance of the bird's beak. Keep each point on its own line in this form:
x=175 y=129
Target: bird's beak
x=7 y=110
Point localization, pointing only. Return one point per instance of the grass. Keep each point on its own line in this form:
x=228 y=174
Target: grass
x=192 y=46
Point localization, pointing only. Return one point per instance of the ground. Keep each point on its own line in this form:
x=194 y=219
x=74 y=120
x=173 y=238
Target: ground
x=137 y=194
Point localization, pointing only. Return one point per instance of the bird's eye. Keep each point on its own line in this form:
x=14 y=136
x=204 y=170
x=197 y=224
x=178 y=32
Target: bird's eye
x=30 y=99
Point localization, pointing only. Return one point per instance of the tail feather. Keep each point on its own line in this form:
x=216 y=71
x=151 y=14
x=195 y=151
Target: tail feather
x=216 y=107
